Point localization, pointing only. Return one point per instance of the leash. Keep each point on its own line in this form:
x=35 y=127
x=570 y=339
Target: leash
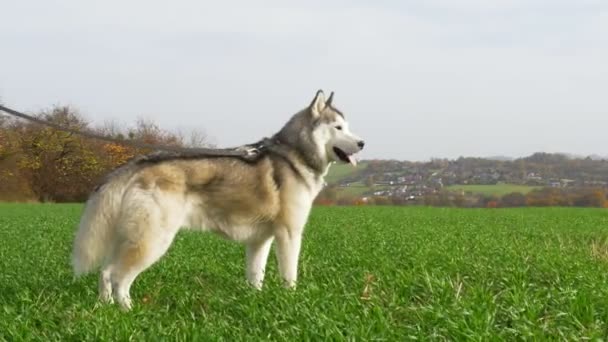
x=245 y=152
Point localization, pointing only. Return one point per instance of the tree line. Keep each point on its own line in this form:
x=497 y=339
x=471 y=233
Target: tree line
x=39 y=163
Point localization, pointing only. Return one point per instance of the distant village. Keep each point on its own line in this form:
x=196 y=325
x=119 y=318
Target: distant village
x=414 y=181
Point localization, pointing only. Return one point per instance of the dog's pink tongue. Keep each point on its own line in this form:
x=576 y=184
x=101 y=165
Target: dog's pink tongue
x=352 y=160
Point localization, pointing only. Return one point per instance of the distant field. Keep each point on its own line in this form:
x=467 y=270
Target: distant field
x=353 y=190
x=358 y=189
x=339 y=171
x=367 y=273
x=498 y=189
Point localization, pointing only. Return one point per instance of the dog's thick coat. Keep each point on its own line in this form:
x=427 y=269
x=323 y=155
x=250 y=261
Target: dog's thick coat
x=130 y=221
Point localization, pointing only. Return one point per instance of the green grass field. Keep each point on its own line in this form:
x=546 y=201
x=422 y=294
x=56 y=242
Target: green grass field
x=366 y=273
x=496 y=190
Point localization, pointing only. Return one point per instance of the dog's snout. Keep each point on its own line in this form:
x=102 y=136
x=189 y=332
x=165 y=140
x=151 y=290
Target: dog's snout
x=361 y=143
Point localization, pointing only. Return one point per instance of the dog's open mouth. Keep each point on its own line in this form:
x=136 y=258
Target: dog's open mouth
x=345 y=157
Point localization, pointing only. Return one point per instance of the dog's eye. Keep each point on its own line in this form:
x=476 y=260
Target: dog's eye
x=339 y=128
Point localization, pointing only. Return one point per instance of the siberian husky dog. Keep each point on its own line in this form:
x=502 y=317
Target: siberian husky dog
x=130 y=220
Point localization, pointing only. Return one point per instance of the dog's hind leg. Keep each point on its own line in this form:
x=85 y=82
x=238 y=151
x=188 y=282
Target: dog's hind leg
x=133 y=258
x=105 y=285
x=146 y=239
x=257 y=255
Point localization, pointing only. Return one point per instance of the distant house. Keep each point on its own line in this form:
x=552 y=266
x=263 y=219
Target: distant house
x=567 y=182
x=532 y=176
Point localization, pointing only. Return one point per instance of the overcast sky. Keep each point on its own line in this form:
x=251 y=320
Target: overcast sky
x=416 y=79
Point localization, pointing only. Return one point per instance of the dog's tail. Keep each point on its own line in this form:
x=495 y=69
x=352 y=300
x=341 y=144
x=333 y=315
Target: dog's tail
x=95 y=235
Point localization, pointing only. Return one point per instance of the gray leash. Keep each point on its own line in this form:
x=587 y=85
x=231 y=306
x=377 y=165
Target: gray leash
x=246 y=152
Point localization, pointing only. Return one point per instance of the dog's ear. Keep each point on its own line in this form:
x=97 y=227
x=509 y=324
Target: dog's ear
x=329 y=99
x=318 y=104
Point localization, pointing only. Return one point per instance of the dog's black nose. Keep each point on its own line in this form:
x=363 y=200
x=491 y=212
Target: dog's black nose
x=361 y=143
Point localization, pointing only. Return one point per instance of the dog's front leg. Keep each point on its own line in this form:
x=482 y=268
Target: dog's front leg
x=257 y=255
x=288 y=252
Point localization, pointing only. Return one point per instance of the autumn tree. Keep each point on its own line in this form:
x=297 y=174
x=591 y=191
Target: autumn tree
x=13 y=187
x=59 y=166
x=514 y=199
x=42 y=163
x=591 y=198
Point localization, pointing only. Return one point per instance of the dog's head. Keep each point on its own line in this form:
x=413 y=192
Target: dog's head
x=331 y=131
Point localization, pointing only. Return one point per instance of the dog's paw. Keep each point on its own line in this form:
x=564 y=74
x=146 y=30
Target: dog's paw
x=106 y=298
x=125 y=303
x=255 y=283
x=289 y=284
